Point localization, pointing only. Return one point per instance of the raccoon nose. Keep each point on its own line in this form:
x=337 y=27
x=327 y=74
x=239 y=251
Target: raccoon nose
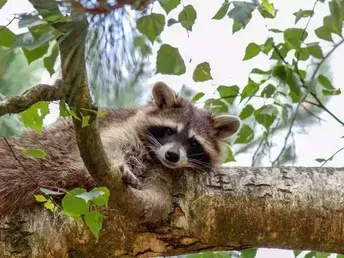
x=172 y=156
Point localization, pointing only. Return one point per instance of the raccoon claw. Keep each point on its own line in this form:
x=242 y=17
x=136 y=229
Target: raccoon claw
x=130 y=179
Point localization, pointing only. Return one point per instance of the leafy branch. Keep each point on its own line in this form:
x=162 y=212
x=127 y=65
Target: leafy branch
x=40 y=92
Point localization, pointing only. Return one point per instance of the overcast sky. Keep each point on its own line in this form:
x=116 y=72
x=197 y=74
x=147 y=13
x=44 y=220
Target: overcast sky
x=213 y=41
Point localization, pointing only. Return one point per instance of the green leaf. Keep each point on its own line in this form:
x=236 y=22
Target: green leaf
x=331 y=25
x=310 y=255
x=202 y=72
x=266 y=115
x=64 y=111
x=250 y=89
x=258 y=71
x=303 y=14
x=35 y=53
x=87 y=196
x=50 y=60
x=85 y=121
x=187 y=17
x=247 y=111
x=216 y=105
x=169 y=61
x=151 y=25
x=2 y=3
x=294 y=37
x=315 y=50
x=35 y=153
x=252 y=50
x=222 y=11
x=325 y=82
x=94 y=221
x=50 y=206
x=245 y=135
x=236 y=26
x=171 y=21
x=280 y=71
x=302 y=54
x=33 y=117
x=293 y=82
x=230 y=157
x=268 y=91
x=241 y=14
x=169 y=5
x=276 y=30
x=24 y=40
x=267 y=46
x=321 y=255
x=10 y=126
x=198 y=96
x=74 y=205
x=335 y=16
x=249 y=253
x=29 y=20
x=296 y=252
x=40 y=198
x=267 y=10
x=7 y=38
x=323 y=33
x=282 y=50
x=228 y=93
x=332 y=92
x=40 y=41
x=101 y=200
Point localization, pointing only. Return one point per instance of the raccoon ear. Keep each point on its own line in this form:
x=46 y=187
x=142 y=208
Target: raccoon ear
x=225 y=125
x=163 y=96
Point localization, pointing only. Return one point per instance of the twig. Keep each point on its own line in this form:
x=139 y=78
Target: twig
x=312 y=103
x=330 y=158
x=325 y=58
x=289 y=131
x=304 y=30
x=21 y=164
x=8 y=24
x=279 y=54
x=321 y=105
x=312 y=113
x=255 y=155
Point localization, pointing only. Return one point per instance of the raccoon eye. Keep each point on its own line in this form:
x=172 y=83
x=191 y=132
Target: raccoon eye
x=168 y=130
x=194 y=144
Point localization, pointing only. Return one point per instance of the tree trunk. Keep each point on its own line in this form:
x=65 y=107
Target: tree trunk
x=234 y=208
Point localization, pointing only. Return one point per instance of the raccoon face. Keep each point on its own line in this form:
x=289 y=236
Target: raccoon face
x=181 y=135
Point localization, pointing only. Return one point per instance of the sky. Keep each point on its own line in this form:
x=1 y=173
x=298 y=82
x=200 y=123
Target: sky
x=214 y=42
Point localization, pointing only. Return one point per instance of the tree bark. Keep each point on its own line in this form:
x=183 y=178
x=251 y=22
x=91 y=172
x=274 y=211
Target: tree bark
x=233 y=208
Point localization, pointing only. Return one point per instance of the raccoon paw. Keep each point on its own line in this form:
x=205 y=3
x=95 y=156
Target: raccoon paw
x=130 y=179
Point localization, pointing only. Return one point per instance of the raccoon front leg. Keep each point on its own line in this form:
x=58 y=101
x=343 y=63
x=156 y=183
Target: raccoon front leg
x=129 y=177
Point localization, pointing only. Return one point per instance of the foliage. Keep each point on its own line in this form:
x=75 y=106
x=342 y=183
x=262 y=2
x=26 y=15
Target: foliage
x=272 y=99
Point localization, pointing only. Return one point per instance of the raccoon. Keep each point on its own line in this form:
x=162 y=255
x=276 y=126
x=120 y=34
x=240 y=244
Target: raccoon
x=151 y=143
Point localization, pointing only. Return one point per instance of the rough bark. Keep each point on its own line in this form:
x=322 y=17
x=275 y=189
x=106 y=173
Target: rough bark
x=235 y=208
x=41 y=92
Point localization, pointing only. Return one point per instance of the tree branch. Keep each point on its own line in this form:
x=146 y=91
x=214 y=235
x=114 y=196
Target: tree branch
x=234 y=208
x=40 y=92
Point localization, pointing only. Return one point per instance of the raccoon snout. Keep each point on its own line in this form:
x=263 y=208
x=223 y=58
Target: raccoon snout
x=172 y=156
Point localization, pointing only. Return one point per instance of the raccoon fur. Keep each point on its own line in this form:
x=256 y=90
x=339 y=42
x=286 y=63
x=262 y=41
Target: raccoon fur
x=151 y=143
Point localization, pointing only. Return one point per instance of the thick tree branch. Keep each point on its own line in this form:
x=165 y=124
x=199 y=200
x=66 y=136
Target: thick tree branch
x=235 y=208
x=40 y=92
